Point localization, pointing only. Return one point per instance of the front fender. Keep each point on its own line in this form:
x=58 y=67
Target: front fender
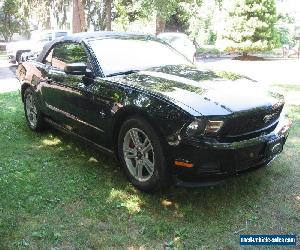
x=164 y=116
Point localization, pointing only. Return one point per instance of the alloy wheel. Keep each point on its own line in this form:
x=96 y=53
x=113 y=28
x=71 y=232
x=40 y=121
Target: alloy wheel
x=138 y=154
x=31 y=110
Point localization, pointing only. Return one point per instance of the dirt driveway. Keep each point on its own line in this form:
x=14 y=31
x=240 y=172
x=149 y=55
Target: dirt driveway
x=8 y=81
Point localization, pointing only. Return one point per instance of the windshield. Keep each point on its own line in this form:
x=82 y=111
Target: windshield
x=123 y=55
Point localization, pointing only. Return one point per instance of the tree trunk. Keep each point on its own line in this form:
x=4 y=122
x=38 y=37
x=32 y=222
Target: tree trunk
x=78 y=17
x=160 y=24
x=108 y=14
x=48 y=20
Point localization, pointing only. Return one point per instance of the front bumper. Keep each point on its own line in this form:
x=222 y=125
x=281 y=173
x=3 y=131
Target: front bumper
x=213 y=161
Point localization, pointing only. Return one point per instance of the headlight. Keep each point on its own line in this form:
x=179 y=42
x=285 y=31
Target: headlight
x=196 y=128
x=204 y=127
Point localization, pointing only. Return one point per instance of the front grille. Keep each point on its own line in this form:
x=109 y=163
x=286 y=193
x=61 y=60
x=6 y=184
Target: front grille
x=251 y=122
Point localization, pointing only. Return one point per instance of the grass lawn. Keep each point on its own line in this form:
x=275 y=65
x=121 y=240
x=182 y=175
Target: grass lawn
x=56 y=193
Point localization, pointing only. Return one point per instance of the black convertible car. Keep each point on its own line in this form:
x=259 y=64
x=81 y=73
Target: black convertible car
x=136 y=97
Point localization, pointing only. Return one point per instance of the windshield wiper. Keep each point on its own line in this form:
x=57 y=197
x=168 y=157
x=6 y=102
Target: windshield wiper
x=124 y=72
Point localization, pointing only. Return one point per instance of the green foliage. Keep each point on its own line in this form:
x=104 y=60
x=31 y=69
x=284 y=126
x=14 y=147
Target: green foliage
x=133 y=10
x=96 y=13
x=285 y=28
x=10 y=19
x=164 y=8
x=286 y=37
x=230 y=75
x=285 y=18
x=212 y=37
x=171 y=12
x=38 y=9
x=179 y=20
x=202 y=20
x=70 y=53
x=128 y=11
x=60 y=10
x=43 y=9
x=250 y=26
x=208 y=51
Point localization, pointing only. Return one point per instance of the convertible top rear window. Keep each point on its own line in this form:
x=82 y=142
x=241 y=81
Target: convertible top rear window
x=122 y=55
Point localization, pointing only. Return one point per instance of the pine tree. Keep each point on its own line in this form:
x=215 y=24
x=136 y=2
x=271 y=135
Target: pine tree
x=250 y=26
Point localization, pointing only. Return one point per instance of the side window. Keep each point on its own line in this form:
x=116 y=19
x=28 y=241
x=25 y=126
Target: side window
x=66 y=53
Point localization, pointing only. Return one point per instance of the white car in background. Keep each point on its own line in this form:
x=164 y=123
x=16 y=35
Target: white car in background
x=38 y=39
x=180 y=42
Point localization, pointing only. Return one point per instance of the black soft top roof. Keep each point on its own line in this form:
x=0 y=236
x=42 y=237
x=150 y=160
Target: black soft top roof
x=80 y=37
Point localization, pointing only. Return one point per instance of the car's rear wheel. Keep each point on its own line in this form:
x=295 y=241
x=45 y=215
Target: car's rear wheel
x=33 y=114
x=141 y=154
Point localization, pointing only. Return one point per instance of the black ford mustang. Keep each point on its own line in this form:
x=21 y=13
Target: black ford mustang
x=136 y=97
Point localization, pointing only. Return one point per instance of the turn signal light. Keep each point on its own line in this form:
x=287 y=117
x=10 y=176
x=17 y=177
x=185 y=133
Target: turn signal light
x=184 y=164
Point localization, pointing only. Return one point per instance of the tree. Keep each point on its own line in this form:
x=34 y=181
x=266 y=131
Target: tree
x=163 y=9
x=170 y=13
x=200 y=19
x=129 y=11
x=99 y=13
x=79 y=24
x=43 y=10
x=250 y=26
x=60 y=9
x=108 y=14
x=178 y=21
x=285 y=26
x=96 y=11
x=10 y=21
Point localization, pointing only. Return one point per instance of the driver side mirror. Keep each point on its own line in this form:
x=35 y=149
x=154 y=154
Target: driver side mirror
x=78 y=69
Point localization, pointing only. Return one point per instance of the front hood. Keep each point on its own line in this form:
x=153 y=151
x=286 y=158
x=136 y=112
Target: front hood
x=203 y=92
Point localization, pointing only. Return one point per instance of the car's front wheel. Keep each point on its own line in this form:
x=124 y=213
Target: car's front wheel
x=33 y=115
x=141 y=154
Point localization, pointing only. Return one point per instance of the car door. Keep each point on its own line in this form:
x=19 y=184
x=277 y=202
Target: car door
x=68 y=97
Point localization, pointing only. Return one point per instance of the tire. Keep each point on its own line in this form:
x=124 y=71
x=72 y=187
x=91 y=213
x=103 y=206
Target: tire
x=34 y=116
x=143 y=161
